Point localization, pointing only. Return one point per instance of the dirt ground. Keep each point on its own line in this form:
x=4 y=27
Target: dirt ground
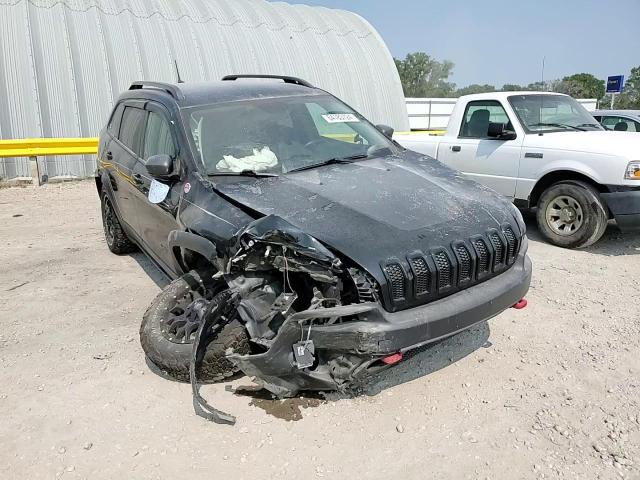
x=551 y=391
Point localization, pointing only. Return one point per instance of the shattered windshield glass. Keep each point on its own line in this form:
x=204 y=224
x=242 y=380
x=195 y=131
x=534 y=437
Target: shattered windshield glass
x=279 y=135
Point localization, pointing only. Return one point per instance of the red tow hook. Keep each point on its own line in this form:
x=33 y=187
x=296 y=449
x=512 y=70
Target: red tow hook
x=521 y=304
x=392 y=359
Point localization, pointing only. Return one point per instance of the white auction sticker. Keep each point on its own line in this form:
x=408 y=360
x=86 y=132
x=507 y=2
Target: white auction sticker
x=158 y=191
x=340 y=118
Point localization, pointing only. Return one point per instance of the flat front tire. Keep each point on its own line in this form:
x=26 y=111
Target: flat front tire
x=168 y=330
x=572 y=214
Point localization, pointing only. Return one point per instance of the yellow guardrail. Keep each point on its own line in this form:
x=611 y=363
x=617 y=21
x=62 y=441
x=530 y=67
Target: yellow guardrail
x=36 y=147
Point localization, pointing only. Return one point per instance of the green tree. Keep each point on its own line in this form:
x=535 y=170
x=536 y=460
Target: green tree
x=423 y=76
x=475 y=88
x=581 y=85
x=512 y=87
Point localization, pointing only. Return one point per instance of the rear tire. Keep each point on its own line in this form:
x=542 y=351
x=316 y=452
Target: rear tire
x=116 y=239
x=175 y=358
x=572 y=215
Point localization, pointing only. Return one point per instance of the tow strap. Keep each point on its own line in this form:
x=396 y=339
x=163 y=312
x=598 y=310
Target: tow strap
x=216 y=316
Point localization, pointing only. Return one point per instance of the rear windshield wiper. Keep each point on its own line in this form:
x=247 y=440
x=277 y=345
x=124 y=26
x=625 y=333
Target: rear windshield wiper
x=331 y=161
x=560 y=125
x=243 y=173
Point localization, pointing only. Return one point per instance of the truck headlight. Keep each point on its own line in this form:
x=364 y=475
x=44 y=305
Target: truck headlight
x=633 y=171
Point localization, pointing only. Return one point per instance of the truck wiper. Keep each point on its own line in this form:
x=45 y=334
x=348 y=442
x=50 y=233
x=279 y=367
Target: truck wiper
x=561 y=125
x=331 y=161
x=243 y=173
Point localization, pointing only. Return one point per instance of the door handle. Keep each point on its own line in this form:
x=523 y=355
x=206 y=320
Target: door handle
x=109 y=156
x=456 y=148
x=137 y=177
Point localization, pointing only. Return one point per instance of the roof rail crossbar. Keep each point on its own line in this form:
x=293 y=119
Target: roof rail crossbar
x=166 y=87
x=284 y=78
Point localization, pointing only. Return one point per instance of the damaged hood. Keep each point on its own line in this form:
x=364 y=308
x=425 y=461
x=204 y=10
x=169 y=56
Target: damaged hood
x=378 y=209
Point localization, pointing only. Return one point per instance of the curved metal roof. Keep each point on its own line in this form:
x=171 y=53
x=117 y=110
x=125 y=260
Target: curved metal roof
x=63 y=62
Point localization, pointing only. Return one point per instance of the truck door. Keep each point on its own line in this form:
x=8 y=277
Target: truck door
x=490 y=161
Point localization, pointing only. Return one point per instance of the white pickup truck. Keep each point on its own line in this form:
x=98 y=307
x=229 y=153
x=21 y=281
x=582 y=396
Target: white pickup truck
x=543 y=150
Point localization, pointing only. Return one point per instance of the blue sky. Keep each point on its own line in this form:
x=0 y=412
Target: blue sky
x=499 y=42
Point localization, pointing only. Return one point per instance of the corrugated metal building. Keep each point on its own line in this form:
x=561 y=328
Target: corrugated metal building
x=64 y=62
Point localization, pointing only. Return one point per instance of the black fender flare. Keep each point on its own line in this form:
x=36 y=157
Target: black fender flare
x=179 y=240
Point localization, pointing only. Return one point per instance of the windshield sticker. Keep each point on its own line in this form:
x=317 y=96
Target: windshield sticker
x=340 y=118
x=158 y=191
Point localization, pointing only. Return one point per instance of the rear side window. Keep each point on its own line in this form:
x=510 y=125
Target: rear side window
x=114 y=121
x=479 y=114
x=620 y=124
x=132 y=129
x=158 y=139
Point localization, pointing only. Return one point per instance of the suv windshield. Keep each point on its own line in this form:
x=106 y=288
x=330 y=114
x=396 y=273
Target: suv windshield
x=552 y=113
x=279 y=135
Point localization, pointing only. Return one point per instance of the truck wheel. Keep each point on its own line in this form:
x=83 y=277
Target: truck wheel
x=169 y=327
x=571 y=214
x=117 y=240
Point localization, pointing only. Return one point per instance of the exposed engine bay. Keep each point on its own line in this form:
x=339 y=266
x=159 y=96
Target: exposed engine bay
x=283 y=284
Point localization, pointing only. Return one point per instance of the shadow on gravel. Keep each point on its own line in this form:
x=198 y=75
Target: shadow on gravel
x=150 y=268
x=417 y=363
x=613 y=243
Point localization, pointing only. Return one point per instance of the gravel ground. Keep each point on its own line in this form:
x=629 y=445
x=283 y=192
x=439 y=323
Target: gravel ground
x=547 y=392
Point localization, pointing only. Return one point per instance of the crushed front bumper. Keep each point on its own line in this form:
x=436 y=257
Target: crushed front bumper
x=625 y=207
x=377 y=333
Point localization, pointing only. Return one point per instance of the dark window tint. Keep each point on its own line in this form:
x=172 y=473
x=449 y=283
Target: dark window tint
x=132 y=128
x=479 y=114
x=158 y=139
x=114 y=121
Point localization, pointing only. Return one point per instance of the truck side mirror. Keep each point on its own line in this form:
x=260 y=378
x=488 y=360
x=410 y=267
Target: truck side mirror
x=386 y=130
x=160 y=166
x=497 y=131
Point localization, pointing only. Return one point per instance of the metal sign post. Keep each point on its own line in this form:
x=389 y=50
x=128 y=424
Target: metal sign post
x=615 y=84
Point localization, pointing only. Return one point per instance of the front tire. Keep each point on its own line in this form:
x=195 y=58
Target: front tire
x=167 y=334
x=572 y=215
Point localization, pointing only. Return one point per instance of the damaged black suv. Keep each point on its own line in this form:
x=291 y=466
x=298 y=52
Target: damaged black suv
x=306 y=247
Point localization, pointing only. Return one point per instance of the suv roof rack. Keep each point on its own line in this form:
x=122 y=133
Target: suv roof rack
x=284 y=78
x=166 y=87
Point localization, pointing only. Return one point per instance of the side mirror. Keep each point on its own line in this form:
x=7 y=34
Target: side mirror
x=386 y=130
x=497 y=131
x=160 y=166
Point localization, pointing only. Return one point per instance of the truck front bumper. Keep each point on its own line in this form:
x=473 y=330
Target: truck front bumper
x=370 y=333
x=625 y=207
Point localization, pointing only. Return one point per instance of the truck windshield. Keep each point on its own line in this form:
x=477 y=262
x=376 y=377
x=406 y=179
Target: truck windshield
x=552 y=113
x=279 y=135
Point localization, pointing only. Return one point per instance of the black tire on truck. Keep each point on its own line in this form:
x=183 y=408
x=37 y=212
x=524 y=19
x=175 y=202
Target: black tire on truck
x=116 y=238
x=173 y=356
x=571 y=214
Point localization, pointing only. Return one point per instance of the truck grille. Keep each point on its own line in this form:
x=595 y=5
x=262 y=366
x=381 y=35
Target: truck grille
x=423 y=277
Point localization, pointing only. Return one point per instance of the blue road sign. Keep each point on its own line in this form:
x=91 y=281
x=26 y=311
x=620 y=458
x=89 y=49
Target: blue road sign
x=615 y=84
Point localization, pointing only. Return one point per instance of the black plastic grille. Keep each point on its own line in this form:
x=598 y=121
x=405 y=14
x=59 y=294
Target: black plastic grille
x=422 y=275
x=443 y=265
x=483 y=256
x=396 y=279
x=465 y=263
x=512 y=244
x=498 y=248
